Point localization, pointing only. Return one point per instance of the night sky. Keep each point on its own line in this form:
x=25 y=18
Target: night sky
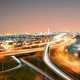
x=39 y=15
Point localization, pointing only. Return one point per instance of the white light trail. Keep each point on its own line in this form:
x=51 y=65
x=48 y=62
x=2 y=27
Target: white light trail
x=52 y=66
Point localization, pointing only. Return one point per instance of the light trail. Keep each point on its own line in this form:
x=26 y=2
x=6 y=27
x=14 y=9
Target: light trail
x=19 y=64
x=20 y=52
x=52 y=66
x=11 y=52
x=48 y=61
x=64 y=59
x=36 y=69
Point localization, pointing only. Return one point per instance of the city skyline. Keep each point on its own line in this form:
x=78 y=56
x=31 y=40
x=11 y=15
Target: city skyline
x=39 y=15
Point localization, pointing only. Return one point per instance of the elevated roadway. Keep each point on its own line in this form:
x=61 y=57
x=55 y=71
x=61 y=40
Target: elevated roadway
x=20 y=52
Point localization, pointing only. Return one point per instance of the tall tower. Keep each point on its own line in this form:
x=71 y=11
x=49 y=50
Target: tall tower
x=48 y=30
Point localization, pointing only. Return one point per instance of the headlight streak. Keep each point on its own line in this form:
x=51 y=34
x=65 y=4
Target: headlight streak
x=12 y=69
x=52 y=66
x=36 y=69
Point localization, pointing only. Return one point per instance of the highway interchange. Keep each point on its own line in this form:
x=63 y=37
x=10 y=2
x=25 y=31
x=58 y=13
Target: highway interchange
x=59 y=44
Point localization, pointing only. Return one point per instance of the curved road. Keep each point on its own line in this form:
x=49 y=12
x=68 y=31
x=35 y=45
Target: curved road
x=19 y=64
x=52 y=66
x=47 y=60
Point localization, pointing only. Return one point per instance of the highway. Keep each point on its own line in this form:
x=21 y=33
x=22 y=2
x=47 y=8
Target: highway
x=61 y=58
x=36 y=69
x=47 y=60
x=18 y=62
x=20 y=52
x=16 y=51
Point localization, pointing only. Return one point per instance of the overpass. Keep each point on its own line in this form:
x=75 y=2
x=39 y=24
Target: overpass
x=21 y=52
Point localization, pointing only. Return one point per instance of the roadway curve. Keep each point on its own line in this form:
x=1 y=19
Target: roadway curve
x=58 y=47
x=19 y=64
